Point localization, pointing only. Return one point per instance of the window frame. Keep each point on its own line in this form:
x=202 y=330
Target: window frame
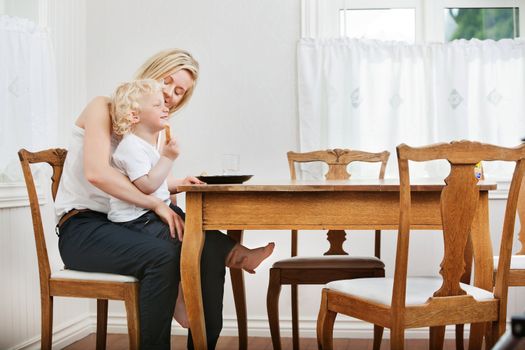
x=320 y=18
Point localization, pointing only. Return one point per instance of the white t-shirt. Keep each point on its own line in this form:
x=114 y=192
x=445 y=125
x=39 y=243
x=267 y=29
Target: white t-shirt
x=134 y=157
x=74 y=191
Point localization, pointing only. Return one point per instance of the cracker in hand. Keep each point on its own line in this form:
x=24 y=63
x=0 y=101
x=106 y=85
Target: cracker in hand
x=167 y=131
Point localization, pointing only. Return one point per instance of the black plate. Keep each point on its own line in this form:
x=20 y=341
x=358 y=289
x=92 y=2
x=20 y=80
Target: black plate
x=224 y=179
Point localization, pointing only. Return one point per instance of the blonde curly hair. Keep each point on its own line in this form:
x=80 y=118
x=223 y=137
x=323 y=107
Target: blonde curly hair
x=125 y=100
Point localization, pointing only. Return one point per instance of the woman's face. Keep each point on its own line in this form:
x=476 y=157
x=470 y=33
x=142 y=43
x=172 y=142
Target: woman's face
x=175 y=86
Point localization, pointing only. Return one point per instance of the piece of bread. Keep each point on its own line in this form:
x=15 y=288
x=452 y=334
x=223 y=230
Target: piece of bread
x=167 y=131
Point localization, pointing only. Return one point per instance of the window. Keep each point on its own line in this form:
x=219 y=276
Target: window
x=383 y=24
x=413 y=20
x=21 y=29
x=481 y=23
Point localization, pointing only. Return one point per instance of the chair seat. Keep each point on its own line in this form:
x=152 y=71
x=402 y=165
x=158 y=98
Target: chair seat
x=330 y=262
x=419 y=289
x=516 y=262
x=92 y=276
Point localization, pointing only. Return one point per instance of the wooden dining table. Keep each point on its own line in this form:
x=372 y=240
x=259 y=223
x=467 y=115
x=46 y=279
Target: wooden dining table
x=358 y=204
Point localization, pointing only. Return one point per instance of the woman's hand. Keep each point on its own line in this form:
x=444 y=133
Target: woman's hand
x=171 y=218
x=191 y=180
x=173 y=183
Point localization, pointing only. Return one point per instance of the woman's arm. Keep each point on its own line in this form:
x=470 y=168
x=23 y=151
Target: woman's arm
x=96 y=121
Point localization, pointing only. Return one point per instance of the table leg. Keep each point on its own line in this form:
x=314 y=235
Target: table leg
x=483 y=258
x=239 y=296
x=190 y=268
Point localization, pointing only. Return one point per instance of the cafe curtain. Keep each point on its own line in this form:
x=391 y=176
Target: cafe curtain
x=28 y=110
x=373 y=95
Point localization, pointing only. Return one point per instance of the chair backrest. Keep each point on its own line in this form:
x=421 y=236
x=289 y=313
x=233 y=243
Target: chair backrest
x=521 y=215
x=459 y=202
x=337 y=161
x=54 y=157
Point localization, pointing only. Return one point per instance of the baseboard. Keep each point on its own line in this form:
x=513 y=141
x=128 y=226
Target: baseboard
x=64 y=334
x=258 y=327
x=82 y=326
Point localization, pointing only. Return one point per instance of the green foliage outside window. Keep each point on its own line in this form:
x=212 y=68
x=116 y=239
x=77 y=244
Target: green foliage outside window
x=490 y=23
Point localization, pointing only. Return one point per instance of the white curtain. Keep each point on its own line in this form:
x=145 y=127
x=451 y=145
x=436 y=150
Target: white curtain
x=373 y=95
x=28 y=104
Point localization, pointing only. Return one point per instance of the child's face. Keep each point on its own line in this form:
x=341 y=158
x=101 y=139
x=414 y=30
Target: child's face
x=153 y=113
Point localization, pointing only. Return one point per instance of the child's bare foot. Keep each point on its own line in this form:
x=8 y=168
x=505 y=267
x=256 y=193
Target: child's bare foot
x=248 y=259
x=179 y=314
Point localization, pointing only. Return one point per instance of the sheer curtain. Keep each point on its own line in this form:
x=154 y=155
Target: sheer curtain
x=28 y=105
x=372 y=95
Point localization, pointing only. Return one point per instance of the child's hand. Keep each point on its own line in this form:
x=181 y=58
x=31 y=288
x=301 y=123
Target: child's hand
x=171 y=149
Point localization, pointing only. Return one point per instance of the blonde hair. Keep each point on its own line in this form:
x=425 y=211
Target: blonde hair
x=166 y=63
x=125 y=100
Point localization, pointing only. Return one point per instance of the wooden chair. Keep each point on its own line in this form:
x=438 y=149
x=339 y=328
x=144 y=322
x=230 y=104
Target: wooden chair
x=400 y=302
x=517 y=261
x=335 y=264
x=70 y=283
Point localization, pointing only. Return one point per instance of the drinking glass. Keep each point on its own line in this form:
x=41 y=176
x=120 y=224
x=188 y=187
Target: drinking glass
x=230 y=164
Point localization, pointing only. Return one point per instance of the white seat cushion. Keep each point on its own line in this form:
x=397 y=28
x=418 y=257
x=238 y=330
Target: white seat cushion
x=419 y=289
x=92 y=276
x=516 y=262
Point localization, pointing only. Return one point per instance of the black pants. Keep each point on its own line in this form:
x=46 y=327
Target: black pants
x=90 y=242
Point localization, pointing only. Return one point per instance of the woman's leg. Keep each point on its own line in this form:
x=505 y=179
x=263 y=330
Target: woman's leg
x=89 y=242
x=150 y=224
x=179 y=314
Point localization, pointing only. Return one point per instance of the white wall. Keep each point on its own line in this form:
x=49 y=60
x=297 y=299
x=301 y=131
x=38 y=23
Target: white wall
x=245 y=100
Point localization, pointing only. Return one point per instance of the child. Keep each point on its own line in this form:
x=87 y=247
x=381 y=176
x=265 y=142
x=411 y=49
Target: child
x=139 y=115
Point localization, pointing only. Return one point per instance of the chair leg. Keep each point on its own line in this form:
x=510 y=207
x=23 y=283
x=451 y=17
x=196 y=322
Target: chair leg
x=131 y=301
x=477 y=330
x=377 y=244
x=378 y=336
x=325 y=324
x=47 y=322
x=493 y=334
x=459 y=337
x=239 y=296
x=272 y=306
x=437 y=336
x=102 y=323
x=295 y=318
x=397 y=338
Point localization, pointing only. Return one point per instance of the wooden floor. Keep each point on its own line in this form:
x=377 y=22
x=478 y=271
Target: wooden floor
x=120 y=342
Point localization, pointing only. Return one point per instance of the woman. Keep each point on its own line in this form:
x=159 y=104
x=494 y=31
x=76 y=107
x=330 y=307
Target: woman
x=90 y=242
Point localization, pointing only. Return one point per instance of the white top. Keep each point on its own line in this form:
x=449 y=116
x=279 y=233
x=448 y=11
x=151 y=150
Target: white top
x=74 y=191
x=134 y=157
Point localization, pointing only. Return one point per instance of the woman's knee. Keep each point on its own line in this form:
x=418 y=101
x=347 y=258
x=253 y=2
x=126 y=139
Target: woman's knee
x=165 y=254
